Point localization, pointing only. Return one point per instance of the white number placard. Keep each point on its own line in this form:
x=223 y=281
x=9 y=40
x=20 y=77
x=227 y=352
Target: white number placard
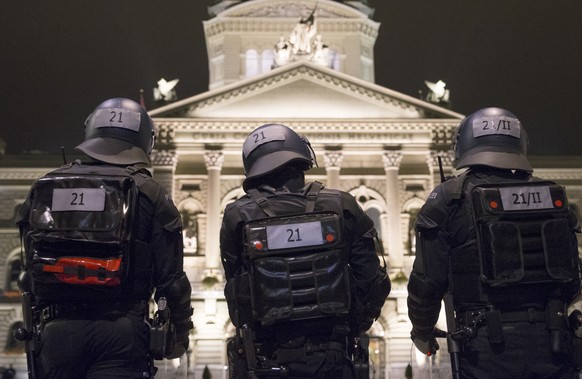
x=485 y=126
x=260 y=137
x=294 y=235
x=78 y=199
x=117 y=118
x=526 y=198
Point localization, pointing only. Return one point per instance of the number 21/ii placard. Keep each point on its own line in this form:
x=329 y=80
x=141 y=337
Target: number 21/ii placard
x=78 y=199
x=526 y=198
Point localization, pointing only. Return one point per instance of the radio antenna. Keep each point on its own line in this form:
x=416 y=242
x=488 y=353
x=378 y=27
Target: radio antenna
x=63 y=154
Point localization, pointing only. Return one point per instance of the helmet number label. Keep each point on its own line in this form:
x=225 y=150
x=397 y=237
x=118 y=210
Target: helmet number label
x=260 y=137
x=485 y=126
x=78 y=199
x=117 y=118
x=294 y=235
x=526 y=198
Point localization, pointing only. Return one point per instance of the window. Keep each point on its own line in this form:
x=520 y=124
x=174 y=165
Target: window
x=411 y=242
x=256 y=63
x=14 y=269
x=374 y=214
x=251 y=63
x=267 y=61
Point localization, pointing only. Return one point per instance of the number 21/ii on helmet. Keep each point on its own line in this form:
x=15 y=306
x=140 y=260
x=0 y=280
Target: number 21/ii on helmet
x=491 y=137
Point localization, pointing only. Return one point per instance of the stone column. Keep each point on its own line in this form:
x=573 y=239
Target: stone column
x=214 y=160
x=163 y=168
x=392 y=161
x=333 y=160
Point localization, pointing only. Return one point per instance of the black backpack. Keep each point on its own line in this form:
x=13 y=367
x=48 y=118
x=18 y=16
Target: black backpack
x=77 y=236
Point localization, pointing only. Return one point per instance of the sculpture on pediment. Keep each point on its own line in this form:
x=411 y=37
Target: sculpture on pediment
x=302 y=35
x=165 y=92
x=282 y=52
x=322 y=54
x=438 y=94
x=304 y=43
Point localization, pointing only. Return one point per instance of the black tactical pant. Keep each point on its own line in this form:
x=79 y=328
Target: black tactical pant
x=326 y=364
x=525 y=353
x=74 y=348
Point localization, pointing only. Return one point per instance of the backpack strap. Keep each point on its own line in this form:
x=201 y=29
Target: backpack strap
x=312 y=193
x=262 y=200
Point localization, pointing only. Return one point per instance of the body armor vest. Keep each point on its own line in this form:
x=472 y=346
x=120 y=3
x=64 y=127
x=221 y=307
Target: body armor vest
x=79 y=235
x=297 y=265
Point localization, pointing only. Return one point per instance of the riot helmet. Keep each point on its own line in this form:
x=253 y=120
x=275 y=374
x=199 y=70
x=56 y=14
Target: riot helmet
x=272 y=146
x=491 y=137
x=119 y=131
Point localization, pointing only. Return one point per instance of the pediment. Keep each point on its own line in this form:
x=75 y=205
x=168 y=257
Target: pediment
x=303 y=90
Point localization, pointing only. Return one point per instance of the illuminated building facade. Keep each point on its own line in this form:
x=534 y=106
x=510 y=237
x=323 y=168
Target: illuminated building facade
x=266 y=66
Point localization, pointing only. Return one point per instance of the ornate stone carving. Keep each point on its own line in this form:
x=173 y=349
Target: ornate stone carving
x=442 y=133
x=392 y=159
x=213 y=159
x=447 y=158
x=265 y=25
x=333 y=158
x=164 y=158
x=283 y=8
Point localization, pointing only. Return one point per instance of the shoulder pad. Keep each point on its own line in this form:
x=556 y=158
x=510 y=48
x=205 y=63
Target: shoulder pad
x=166 y=211
x=141 y=171
x=452 y=189
x=243 y=201
x=433 y=212
x=428 y=221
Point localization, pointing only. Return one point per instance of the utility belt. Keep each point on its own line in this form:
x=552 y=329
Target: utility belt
x=494 y=320
x=91 y=311
x=477 y=318
x=300 y=353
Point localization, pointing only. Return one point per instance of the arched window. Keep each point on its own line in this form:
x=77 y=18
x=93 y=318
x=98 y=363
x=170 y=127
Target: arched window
x=251 y=63
x=191 y=210
x=12 y=274
x=373 y=204
x=335 y=60
x=268 y=57
x=411 y=209
x=374 y=214
x=411 y=243
x=256 y=63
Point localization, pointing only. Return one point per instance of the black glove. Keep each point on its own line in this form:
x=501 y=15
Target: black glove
x=178 y=341
x=426 y=343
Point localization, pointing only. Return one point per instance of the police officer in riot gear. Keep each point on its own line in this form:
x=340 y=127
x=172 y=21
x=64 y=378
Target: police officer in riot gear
x=501 y=245
x=101 y=236
x=303 y=277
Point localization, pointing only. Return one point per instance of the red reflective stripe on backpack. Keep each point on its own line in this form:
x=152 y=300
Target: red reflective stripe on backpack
x=52 y=268
x=83 y=270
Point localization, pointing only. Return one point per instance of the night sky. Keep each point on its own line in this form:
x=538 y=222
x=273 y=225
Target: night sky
x=59 y=59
